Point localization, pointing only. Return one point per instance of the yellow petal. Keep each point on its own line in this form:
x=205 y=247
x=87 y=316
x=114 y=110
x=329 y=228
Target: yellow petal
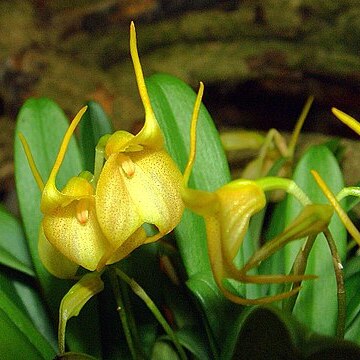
x=239 y=201
x=54 y=261
x=347 y=120
x=131 y=191
x=32 y=165
x=75 y=232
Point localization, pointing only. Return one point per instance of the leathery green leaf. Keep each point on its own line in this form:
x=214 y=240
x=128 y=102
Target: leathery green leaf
x=95 y=123
x=24 y=294
x=352 y=285
x=74 y=356
x=215 y=307
x=18 y=336
x=263 y=333
x=44 y=124
x=13 y=247
x=21 y=290
x=194 y=341
x=316 y=305
x=164 y=350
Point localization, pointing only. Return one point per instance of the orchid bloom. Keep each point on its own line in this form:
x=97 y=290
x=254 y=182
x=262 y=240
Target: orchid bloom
x=98 y=220
x=227 y=212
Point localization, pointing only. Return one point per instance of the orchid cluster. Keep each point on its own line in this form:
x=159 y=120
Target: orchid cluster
x=138 y=194
x=98 y=219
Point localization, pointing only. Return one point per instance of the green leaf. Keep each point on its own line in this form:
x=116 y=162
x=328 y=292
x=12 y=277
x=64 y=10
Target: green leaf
x=249 y=246
x=36 y=308
x=219 y=313
x=7 y=287
x=6 y=258
x=164 y=350
x=325 y=348
x=13 y=247
x=194 y=341
x=95 y=123
x=23 y=293
x=352 y=330
x=352 y=285
x=74 y=356
x=316 y=305
x=18 y=336
x=262 y=333
x=44 y=124
x=275 y=264
x=270 y=333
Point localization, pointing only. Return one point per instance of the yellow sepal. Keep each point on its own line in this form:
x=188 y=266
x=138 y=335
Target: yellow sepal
x=131 y=191
x=51 y=196
x=150 y=134
x=75 y=232
x=347 y=120
x=351 y=228
x=54 y=261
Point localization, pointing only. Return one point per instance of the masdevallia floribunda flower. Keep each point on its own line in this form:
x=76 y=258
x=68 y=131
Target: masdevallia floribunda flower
x=98 y=220
x=227 y=212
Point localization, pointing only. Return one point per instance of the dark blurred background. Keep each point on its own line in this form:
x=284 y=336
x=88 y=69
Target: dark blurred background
x=259 y=59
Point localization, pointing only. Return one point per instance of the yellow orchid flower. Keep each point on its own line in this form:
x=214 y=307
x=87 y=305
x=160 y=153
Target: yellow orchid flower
x=70 y=234
x=97 y=221
x=227 y=212
x=141 y=176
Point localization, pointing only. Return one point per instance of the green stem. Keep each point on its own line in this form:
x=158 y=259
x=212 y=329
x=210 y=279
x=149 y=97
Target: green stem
x=122 y=312
x=338 y=268
x=139 y=291
x=61 y=336
x=348 y=191
x=299 y=125
x=270 y=183
x=298 y=268
x=130 y=316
